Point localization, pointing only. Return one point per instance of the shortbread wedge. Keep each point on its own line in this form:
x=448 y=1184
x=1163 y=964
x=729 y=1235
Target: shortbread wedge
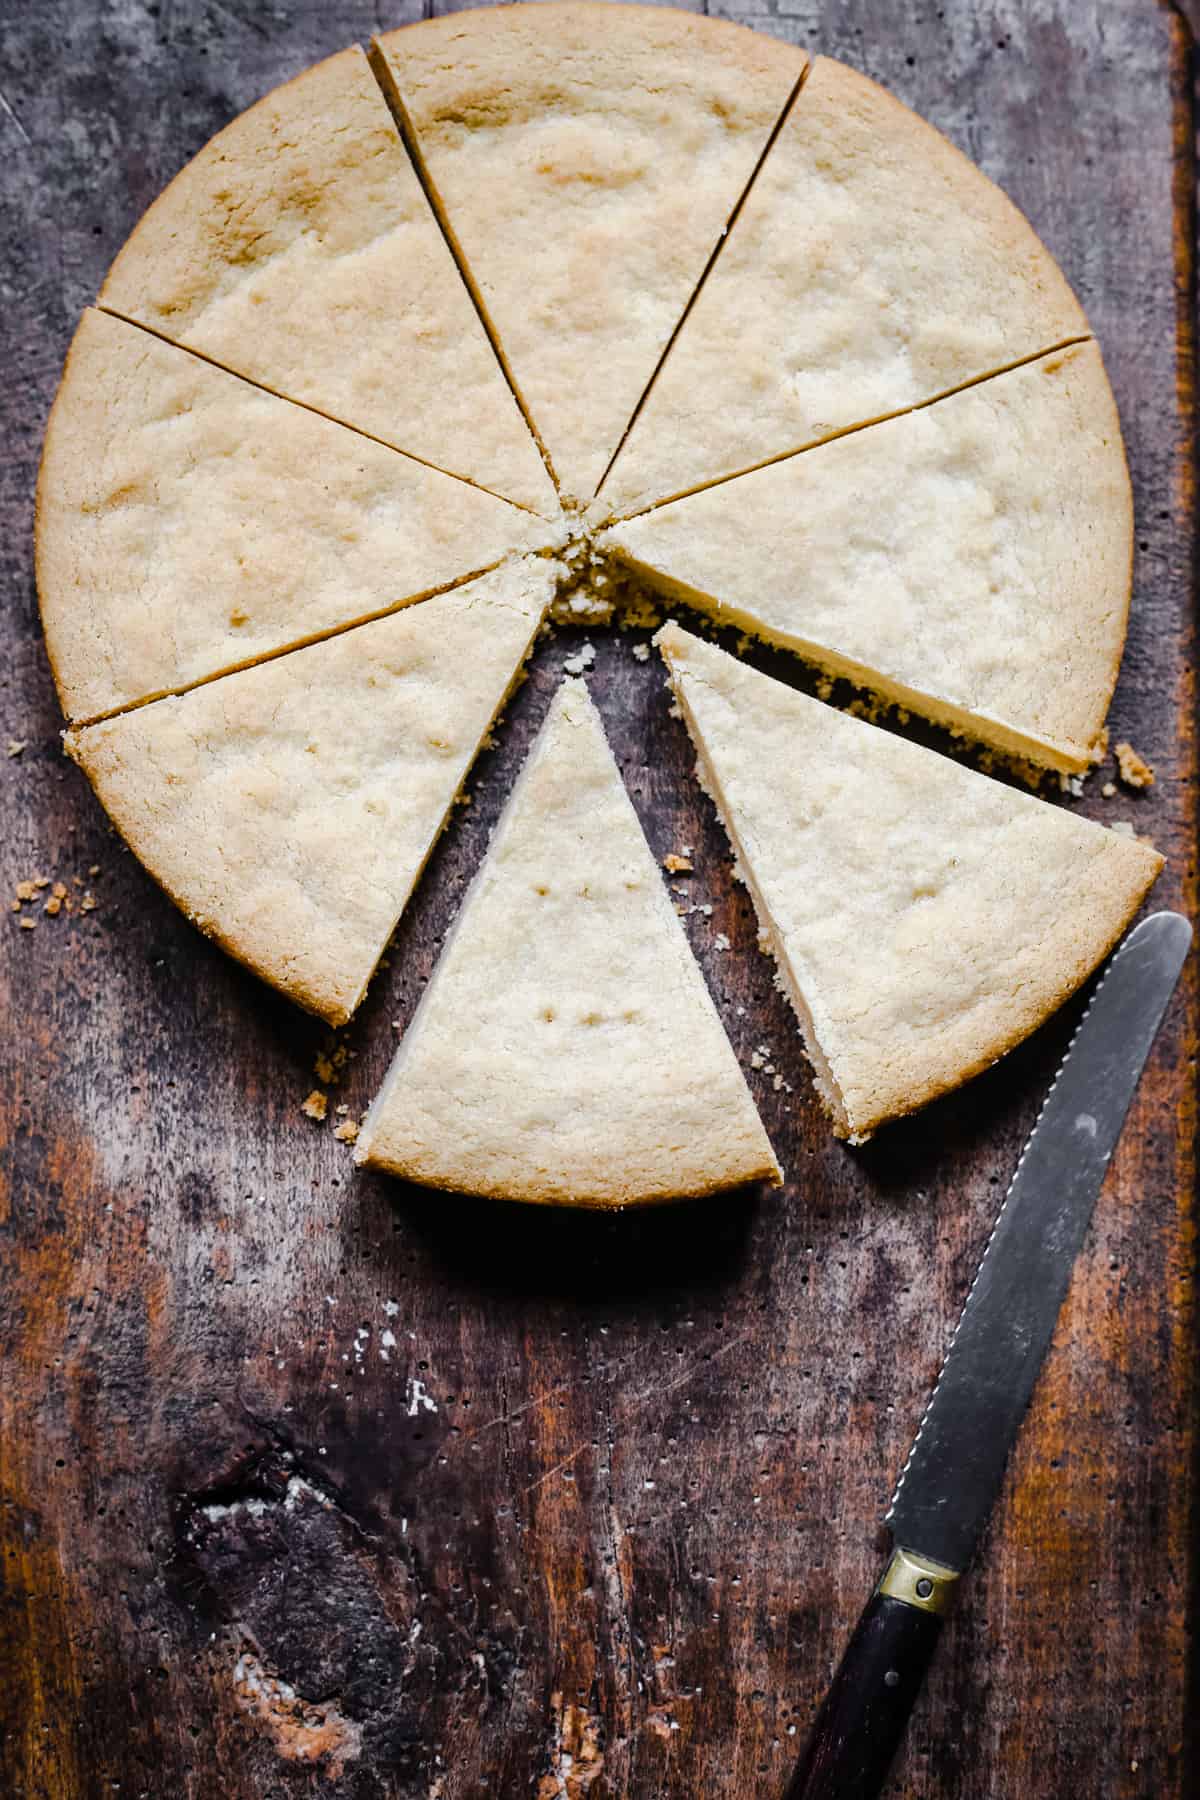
x=190 y=523
x=924 y=918
x=298 y=248
x=586 y=161
x=871 y=268
x=289 y=809
x=970 y=560
x=566 y=1049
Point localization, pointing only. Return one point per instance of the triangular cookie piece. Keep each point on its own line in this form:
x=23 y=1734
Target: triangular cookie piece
x=871 y=268
x=587 y=161
x=298 y=248
x=923 y=917
x=289 y=809
x=190 y=523
x=566 y=1048
x=969 y=560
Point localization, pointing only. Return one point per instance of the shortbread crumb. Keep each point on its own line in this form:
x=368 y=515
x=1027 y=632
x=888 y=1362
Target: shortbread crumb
x=1133 y=769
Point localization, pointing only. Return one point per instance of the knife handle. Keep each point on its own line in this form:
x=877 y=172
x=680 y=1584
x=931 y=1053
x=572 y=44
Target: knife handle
x=858 y=1729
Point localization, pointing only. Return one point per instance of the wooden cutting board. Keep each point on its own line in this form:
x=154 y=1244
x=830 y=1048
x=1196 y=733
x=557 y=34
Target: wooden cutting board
x=314 y=1485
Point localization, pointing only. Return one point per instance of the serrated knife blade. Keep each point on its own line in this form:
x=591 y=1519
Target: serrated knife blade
x=950 y=1481
x=953 y=1473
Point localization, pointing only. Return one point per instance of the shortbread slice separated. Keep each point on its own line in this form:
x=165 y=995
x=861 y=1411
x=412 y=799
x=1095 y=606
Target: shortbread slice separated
x=923 y=917
x=289 y=809
x=298 y=248
x=190 y=523
x=871 y=268
x=586 y=161
x=566 y=1048
x=970 y=560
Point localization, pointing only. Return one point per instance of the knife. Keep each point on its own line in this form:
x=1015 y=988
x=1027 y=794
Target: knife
x=952 y=1476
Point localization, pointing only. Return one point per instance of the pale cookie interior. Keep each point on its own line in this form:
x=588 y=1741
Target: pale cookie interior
x=970 y=560
x=298 y=248
x=289 y=809
x=871 y=268
x=566 y=1047
x=586 y=169
x=924 y=917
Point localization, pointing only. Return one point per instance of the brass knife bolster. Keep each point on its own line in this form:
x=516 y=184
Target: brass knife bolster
x=918 y=1582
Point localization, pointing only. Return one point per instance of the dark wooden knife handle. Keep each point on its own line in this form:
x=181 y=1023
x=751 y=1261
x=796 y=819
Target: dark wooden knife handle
x=862 y=1719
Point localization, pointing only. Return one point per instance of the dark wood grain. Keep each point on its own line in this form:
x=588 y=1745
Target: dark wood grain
x=594 y=1522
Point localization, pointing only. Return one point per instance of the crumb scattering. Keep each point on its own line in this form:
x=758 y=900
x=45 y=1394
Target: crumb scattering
x=720 y=942
x=329 y=1064
x=28 y=924
x=316 y=1105
x=1108 y=790
x=346 y=1132
x=16 y=745
x=678 y=862
x=1133 y=769
x=56 y=902
x=581 y=661
x=641 y=652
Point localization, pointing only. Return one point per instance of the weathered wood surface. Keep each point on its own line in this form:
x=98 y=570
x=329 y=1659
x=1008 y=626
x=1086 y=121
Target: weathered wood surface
x=595 y=1519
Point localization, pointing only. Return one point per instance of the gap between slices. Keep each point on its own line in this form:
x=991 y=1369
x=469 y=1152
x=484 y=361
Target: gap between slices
x=289 y=809
x=923 y=918
x=584 y=204
x=298 y=248
x=595 y=1071
x=894 y=271
x=190 y=523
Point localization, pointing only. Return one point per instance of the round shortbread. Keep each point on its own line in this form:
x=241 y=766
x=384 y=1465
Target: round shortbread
x=424 y=326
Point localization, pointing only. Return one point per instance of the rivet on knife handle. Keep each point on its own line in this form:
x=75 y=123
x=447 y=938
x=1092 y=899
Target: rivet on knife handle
x=918 y=1581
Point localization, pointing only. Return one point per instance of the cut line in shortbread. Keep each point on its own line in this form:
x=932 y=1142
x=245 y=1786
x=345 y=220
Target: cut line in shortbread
x=970 y=560
x=585 y=171
x=289 y=809
x=190 y=523
x=298 y=248
x=871 y=267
